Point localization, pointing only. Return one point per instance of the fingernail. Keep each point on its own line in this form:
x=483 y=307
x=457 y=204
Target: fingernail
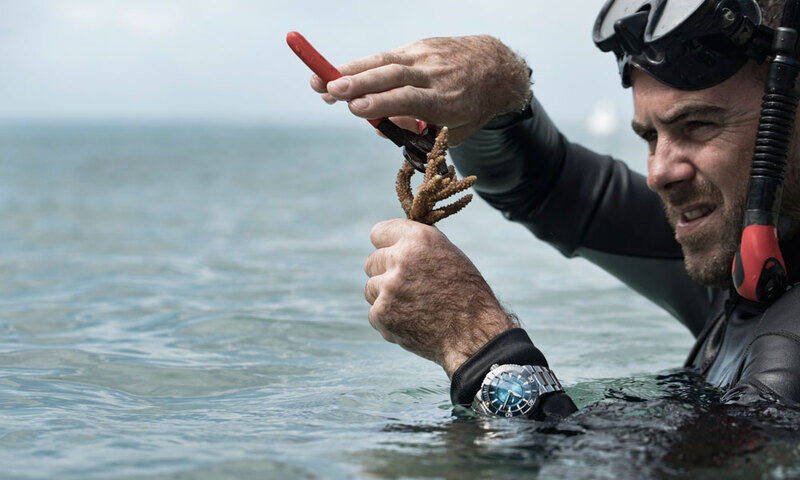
x=360 y=103
x=342 y=84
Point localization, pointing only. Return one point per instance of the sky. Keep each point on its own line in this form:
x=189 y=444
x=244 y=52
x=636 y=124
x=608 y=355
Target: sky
x=205 y=60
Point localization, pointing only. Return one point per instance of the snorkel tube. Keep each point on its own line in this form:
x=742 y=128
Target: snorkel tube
x=759 y=271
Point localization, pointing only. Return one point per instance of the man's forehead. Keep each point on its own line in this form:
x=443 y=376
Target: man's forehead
x=678 y=111
x=653 y=101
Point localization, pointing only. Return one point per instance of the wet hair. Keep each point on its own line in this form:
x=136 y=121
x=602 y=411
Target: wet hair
x=771 y=12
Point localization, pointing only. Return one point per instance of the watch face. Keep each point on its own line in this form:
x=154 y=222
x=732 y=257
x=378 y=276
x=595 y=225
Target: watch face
x=509 y=391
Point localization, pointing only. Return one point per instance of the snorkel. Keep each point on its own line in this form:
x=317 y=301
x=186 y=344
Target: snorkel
x=759 y=272
x=696 y=44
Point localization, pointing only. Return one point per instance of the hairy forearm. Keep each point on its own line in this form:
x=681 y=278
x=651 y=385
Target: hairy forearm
x=482 y=328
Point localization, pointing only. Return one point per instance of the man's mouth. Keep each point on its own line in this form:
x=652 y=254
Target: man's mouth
x=695 y=213
x=691 y=218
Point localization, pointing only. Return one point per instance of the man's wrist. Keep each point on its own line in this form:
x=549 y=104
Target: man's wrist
x=507 y=119
x=518 y=105
x=452 y=361
x=512 y=346
x=484 y=328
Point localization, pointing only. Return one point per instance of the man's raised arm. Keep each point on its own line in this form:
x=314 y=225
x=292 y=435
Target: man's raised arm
x=584 y=204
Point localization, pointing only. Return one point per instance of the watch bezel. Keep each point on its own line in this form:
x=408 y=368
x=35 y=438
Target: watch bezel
x=528 y=381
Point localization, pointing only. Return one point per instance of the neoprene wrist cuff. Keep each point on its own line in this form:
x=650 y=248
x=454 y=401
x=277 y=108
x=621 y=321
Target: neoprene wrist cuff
x=507 y=119
x=512 y=346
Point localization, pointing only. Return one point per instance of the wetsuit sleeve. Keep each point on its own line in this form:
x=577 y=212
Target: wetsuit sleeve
x=510 y=347
x=771 y=362
x=583 y=204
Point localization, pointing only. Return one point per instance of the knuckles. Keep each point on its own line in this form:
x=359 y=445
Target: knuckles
x=425 y=234
x=377 y=232
x=387 y=232
x=403 y=73
x=391 y=286
x=391 y=57
x=380 y=319
x=413 y=247
x=368 y=264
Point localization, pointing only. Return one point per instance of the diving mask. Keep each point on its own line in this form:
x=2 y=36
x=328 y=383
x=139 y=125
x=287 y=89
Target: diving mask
x=686 y=44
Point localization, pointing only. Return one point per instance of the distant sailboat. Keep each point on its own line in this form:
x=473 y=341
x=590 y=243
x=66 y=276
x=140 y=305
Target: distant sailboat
x=603 y=121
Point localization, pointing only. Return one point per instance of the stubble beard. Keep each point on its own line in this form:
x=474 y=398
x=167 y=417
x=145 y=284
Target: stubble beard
x=708 y=255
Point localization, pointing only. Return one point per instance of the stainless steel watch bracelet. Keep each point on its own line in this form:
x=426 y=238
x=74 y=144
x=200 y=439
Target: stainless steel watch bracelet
x=548 y=383
x=545 y=379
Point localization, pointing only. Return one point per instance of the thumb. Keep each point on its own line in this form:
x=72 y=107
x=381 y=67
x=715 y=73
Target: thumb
x=408 y=123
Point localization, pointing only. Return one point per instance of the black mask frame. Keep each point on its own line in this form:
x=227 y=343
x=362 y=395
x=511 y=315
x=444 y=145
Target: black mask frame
x=686 y=44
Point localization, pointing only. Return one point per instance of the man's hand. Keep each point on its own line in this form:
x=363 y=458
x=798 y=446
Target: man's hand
x=427 y=296
x=459 y=82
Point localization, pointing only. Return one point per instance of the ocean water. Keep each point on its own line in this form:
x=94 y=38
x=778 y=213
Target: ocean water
x=186 y=301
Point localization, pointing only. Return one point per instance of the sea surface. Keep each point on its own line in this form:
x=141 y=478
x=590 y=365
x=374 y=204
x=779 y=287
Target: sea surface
x=186 y=301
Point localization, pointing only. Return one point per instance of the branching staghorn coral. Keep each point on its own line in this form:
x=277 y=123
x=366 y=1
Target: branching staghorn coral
x=434 y=187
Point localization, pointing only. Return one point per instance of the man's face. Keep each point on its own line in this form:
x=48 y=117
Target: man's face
x=701 y=147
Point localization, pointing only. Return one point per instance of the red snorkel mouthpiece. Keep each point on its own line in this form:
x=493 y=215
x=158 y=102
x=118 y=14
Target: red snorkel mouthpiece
x=759 y=272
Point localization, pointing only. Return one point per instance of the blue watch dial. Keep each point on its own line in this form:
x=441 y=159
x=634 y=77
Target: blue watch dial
x=510 y=394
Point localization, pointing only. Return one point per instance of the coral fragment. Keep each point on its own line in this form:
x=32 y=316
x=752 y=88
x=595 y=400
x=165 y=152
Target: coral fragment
x=434 y=187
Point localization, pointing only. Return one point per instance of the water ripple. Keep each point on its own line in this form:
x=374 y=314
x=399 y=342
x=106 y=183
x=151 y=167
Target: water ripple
x=180 y=302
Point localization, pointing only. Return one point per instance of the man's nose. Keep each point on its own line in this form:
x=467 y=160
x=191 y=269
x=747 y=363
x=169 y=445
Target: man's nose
x=668 y=166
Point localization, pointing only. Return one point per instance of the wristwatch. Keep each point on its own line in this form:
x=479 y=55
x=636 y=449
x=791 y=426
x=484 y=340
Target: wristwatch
x=513 y=390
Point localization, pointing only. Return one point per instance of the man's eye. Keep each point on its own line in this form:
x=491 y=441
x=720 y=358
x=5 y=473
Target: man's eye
x=651 y=138
x=697 y=126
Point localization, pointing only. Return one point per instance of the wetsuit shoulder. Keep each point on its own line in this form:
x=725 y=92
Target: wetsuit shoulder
x=583 y=204
x=770 y=368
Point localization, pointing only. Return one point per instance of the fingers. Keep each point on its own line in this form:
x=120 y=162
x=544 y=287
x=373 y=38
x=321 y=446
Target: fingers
x=318 y=84
x=388 y=232
x=375 y=61
x=379 y=79
x=377 y=262
x=361 y=65
x=408 y=123
x=373 y=289
x=376 y=317
x=405 y=101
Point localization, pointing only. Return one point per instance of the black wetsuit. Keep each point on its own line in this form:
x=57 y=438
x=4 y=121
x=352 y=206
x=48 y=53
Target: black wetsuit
x=593 y=206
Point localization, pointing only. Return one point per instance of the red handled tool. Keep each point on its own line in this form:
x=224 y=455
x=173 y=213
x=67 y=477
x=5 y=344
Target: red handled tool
x=416 y=146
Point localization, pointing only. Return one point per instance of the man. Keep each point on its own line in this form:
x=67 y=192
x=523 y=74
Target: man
x=584 y=204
